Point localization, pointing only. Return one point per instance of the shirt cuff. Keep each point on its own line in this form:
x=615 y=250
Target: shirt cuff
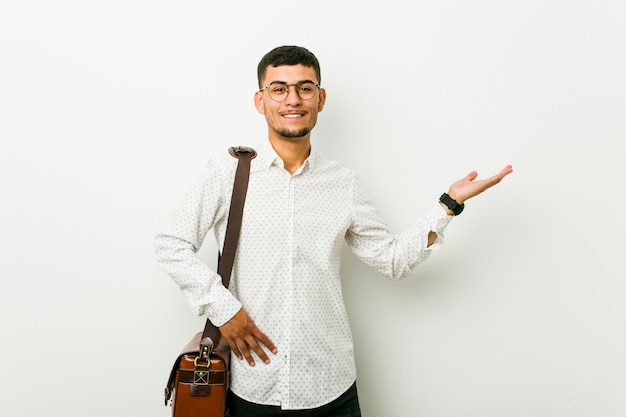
x=437 y=220
x=226 y=310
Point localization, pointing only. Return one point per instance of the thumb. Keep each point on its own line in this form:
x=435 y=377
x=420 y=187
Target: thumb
x=471 y=176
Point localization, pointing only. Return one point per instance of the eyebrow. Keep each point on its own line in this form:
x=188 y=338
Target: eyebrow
x=285 y=83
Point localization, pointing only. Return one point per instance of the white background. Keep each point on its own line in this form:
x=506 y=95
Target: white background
x=108 y=110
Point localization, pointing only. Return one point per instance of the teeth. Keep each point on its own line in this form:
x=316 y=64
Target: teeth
x=292 y=116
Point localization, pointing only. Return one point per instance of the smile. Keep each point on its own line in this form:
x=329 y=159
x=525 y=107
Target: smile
x=293 y=115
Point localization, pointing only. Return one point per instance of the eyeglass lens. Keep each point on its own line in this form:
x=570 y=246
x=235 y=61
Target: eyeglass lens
x=280 y=91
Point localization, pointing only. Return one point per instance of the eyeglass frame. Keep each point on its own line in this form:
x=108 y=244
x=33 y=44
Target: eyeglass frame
x=287 y=87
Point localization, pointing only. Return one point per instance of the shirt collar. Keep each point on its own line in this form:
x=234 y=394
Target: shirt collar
x=267 y=157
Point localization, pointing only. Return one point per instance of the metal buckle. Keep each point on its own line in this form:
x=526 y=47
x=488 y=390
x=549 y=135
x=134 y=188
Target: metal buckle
x=201 y=377
x=207 y=365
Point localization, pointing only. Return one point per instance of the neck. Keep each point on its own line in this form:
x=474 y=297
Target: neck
x=293 y=152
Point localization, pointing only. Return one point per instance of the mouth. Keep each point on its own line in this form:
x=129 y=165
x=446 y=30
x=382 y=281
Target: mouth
x=292 y=115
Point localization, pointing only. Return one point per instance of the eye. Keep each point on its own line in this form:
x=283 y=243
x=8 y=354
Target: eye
x=306 y=88
x=278 y=89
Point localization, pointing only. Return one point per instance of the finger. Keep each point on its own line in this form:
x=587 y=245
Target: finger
x=243 y=348
x=506 y=171
x=261 y=337
x=233 y=346
x=256 y=348
x=499 y=176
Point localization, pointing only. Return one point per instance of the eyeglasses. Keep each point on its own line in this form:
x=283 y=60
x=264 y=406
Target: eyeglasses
x=279 y=91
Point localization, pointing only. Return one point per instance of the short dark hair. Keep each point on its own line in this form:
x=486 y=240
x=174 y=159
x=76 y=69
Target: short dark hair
x=288 y=55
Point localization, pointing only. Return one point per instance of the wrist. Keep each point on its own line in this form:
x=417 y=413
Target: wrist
x=456 y=198
x=451 y=205
x=446 y=209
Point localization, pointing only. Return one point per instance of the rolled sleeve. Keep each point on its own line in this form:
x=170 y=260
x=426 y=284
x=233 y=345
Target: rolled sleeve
x=202 y=208
x=437 y=221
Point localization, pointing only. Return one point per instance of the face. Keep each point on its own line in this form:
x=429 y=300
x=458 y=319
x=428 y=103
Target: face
x=294 y=118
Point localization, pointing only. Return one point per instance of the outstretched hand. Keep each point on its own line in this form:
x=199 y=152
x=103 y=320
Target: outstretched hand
x=243 y=335
x=469 y=187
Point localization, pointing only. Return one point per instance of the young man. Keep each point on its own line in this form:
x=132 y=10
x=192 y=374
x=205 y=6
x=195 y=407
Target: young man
x=284 y=315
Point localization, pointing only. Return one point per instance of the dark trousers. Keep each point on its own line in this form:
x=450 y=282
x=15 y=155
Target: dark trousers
x=347 y=405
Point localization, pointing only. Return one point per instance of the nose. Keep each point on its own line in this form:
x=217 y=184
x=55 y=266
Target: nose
x=293 y=99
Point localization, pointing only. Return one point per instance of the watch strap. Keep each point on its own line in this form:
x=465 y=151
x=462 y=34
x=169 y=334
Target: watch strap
x=452 y=204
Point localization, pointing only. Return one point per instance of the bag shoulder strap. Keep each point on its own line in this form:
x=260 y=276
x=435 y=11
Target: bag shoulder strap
x=233 y=227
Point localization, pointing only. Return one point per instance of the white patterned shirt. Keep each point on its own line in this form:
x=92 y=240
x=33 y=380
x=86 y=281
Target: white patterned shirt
x=286 y=272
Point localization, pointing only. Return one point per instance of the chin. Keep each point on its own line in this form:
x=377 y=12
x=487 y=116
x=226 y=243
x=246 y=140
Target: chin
x=294 y=134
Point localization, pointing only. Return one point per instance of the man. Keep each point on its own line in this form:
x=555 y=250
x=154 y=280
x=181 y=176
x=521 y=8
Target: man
x=284 y=316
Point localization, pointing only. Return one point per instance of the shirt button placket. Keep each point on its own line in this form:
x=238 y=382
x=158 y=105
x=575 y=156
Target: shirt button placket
x=288 y=302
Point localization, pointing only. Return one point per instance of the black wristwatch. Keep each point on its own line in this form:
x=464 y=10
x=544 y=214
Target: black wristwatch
x=451 y=203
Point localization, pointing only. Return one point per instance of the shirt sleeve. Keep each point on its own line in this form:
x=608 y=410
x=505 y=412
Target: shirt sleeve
x=177 y=244
x=395 y=256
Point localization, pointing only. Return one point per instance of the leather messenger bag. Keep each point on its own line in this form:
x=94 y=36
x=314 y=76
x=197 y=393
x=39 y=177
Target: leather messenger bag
x=199 y=380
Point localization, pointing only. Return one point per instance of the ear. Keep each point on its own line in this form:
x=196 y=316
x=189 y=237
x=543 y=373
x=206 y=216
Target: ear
x=258 y=102
x=322 y=100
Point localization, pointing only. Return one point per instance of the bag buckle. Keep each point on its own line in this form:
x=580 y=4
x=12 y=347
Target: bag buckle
x=201 y=377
